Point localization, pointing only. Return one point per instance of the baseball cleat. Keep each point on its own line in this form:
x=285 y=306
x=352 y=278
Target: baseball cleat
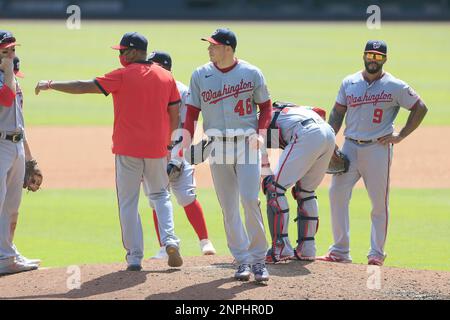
x=243 y=272
x=302 y=257
x=17 y=267
x=274 y=258
x=330 y=257
x=174 y=256
x=376 y=260
x=25 y=260
x=207 y=247
x=134 y=267
x=260 y=272
x=161 y=254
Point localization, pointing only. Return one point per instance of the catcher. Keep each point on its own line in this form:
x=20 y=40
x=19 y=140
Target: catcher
x=308 y=144
x=14 y=151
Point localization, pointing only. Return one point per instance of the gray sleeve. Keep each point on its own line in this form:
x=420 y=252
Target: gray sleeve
x=406 y=96
x=261 y=93
x=341 y=96
x=193 y=96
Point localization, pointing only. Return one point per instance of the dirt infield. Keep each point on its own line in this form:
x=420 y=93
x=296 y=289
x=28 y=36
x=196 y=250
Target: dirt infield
x=210 y=278
x=80 y=158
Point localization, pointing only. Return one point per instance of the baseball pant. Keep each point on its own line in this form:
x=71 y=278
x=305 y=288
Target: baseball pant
x=371 y=162
x=236 y=170
x=129 y=173
x=12 y=171
x=305 y=159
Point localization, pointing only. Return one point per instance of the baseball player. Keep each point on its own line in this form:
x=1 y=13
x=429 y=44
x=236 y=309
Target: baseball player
x=183 y=184
x=14 y=151
x=226 y=91
x=308 y=143
x=369 y=100
x=145 y=114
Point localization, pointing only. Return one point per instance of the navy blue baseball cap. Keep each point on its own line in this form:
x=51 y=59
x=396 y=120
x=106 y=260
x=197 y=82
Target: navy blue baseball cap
x=376 y=46
x=16 y=63
x=223 y=36
x=161 y=57
x=7 y=39
x=132 y=40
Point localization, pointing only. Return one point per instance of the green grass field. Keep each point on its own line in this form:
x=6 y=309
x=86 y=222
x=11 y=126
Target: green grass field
x=302 y=62
x=77 y=227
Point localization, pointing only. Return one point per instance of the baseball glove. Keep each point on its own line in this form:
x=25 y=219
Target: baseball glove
x=339 y=163
x=174 y=169
x=33 y=176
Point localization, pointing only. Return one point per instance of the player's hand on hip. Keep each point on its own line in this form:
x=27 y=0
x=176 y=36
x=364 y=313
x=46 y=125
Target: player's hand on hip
x=42 y=85
x=390 y=138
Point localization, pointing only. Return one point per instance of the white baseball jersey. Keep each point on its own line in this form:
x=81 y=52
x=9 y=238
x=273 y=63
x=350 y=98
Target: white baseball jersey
x=11 y=118
x=183 y=90
x=228 y=100
x=290 y=118
x=372 y=108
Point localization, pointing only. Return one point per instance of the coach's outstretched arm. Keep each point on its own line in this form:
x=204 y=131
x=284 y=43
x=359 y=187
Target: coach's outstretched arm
x=74 y=86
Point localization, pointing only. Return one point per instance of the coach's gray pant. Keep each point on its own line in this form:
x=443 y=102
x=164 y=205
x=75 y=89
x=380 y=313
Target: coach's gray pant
x=12 y=171
x=129 y=173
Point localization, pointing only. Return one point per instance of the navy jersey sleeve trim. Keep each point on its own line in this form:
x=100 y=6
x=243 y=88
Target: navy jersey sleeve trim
x=101 y=88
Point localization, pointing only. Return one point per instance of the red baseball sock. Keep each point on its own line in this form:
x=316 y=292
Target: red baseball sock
x=155 y=220
x=194 y=213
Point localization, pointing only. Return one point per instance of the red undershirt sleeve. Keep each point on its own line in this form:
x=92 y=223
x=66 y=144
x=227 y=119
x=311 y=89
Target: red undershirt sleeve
x=6 y=96
x=265 y=115
x=192 y=114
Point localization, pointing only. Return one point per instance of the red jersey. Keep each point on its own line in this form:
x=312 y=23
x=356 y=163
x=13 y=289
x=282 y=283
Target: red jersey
x=141 y=92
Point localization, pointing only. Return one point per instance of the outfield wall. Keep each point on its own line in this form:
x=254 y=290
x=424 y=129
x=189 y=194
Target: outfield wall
x=413 y=10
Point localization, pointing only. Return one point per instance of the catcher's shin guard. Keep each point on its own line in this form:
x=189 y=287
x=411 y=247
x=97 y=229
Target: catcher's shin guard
x=307 y=222
x=277 y=217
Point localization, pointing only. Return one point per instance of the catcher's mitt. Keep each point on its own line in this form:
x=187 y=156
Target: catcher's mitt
x=33 y=176
x=174 y=169
x=339 y=163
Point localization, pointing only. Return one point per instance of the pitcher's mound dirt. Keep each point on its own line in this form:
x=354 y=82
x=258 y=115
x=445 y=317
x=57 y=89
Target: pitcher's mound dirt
x=211 y=278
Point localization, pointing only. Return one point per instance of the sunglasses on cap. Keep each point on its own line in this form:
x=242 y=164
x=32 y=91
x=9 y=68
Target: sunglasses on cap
x=375 y=56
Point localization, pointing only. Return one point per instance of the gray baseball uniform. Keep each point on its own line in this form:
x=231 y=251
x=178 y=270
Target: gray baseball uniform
x=309 y=143
x=12 y=171
x=227 y=101
x=371 y=111
x=184 y=186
